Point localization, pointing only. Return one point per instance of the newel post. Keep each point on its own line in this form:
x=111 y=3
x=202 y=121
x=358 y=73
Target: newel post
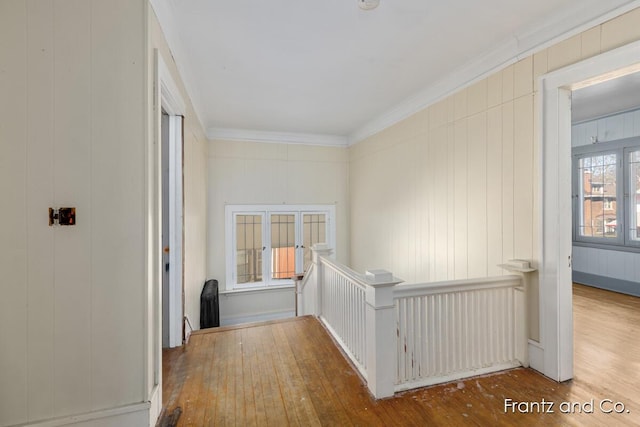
x=523 y=269
x=318 y=251
x=381 y=335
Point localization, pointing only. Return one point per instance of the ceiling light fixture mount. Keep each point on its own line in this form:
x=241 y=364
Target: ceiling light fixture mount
x=368 y=4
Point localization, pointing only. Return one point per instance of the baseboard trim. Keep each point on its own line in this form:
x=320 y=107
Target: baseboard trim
x=261 y=317
x=607 y=283
x=458 y=376
x=155 y=404
x=536 y=356
x=131 y=415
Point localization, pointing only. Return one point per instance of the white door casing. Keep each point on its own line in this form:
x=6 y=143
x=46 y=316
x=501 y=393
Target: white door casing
x=172 y=103
x=556 y=311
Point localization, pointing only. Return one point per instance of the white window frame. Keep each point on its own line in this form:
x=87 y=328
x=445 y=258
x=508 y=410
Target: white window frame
x=232 y=211
x=622 y=149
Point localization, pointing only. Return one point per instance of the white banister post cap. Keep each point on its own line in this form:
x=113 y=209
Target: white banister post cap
x=517 y=266
x=519 y=263
x=379 y=276
x=320 y=247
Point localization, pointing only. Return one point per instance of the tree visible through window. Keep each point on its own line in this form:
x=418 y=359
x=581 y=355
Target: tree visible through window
x=597 y=175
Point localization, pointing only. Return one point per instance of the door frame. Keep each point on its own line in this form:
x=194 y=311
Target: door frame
x=172 y=103
x=556 y=309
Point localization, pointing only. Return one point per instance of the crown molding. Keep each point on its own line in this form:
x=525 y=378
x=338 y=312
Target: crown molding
x=564 y=25
x=228 y=134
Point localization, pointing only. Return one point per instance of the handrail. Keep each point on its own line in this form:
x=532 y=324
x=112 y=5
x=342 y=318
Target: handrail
x=397 y=334
x=357 y=278
x=417 y=289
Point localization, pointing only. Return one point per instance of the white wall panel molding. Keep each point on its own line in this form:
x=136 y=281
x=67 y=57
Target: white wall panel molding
x=131 y=415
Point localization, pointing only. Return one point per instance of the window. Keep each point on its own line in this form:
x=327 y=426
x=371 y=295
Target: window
x=634 y=194
x=607 y=193
x=249 y=248
x=268 y=244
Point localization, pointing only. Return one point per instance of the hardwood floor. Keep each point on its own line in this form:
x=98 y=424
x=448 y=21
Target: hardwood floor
x=291 y=373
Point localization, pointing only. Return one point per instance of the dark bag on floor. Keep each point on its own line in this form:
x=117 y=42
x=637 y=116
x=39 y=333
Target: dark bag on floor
x=209 y=308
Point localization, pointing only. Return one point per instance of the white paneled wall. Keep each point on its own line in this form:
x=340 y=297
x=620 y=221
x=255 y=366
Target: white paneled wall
x=71 y=134
x=610 y=128
x=449 y=193
x=434 y=197
x=601 y=262
x=452 y=190
x=257 y=173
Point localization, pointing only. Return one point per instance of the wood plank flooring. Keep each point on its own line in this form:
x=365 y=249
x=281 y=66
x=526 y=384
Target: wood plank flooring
x=291 y=373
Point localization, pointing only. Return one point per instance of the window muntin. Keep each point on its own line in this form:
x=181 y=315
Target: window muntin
x=266 y=245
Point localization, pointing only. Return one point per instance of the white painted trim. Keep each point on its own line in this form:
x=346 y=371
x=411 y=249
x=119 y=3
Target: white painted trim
x=150 y=307
x=505 y=54
x=276 y=137
x=115 y=417
x=173 y=104
x=265 y=210
x=155 y=404
x=536 y=356
x=175 y=231
x=262 y=317
x=457 y=376
x=154 y=239
x=556 y=311
x=172 y=101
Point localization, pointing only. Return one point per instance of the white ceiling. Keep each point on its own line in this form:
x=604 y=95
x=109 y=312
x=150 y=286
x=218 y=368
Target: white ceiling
x=327 y=72
x=612 y=96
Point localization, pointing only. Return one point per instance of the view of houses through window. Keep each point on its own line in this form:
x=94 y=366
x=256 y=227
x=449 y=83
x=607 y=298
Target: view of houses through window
x=598 y=193
x=607 y=196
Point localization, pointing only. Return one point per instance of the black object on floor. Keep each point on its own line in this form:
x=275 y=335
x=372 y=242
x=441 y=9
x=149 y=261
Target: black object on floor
x=209 y=305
